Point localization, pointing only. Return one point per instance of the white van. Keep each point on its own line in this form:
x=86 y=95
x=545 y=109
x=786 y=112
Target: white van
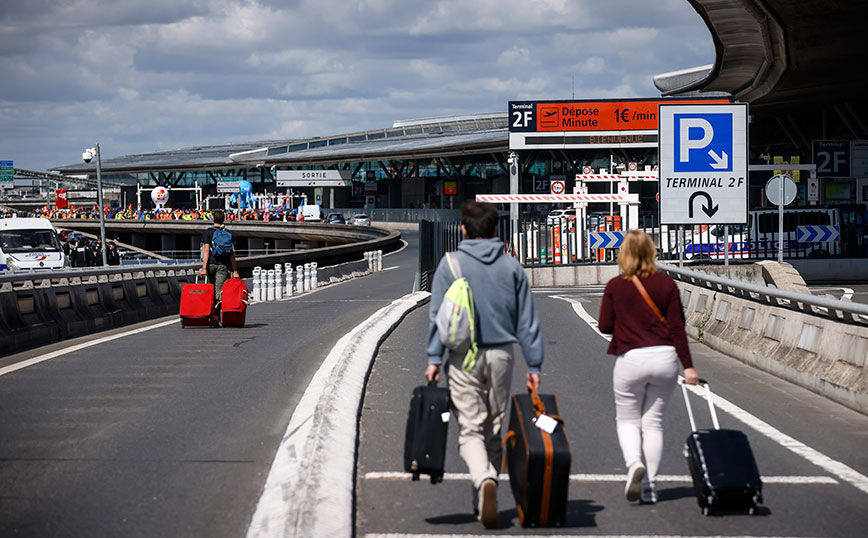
x=310 y=213
x=27 y=243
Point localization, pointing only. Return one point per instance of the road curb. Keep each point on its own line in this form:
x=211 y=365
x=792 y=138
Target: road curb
x=309 y=489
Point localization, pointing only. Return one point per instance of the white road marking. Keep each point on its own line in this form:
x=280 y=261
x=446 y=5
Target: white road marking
x=842 y=471
x=582 y=313
x=488 y=535
x=390 y=268
x=54 y=354
x=618 y=478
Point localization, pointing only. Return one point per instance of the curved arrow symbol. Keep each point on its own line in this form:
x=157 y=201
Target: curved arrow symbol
x=707 y=208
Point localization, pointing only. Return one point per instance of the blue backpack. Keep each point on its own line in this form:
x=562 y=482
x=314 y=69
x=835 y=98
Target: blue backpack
x=221 y=242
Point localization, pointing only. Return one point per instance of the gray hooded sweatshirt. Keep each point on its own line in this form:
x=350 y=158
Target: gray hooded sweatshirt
x=505 y=310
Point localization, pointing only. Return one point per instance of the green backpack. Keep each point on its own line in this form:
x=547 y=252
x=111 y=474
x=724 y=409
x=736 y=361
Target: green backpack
x=456 y=317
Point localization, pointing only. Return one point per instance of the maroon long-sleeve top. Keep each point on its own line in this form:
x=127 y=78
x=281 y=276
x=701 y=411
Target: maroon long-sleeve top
x=629 y=319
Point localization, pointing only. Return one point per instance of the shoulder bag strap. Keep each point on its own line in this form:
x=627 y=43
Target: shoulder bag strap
x=453 y=265
x=648 y=299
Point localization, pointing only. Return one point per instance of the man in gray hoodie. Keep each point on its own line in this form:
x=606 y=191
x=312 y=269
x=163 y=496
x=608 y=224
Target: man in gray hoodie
x=505 y=313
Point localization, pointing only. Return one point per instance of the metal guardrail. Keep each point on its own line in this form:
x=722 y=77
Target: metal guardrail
x=835 y=309
x=87 y=272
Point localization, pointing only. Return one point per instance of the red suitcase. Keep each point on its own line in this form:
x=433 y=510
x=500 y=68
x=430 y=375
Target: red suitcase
x=197 y=305
x=234 y=299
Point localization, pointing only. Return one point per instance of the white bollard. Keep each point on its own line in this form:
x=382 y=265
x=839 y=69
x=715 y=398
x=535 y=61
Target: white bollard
x=278 y=281
x=257 y=282
x=368 y=259
x=269 y=289
x=313 y=282
x=306 y=280
x=289 y=280
x=379 y=260
x=299 y=276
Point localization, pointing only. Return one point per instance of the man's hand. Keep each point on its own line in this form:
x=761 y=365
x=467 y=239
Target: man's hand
x=203 y=272
x=432 y=373
x=532 y=381
x=235 y=274
x=691 y=377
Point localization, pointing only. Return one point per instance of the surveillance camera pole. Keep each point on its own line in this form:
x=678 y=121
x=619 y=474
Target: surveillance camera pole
x=101 y=213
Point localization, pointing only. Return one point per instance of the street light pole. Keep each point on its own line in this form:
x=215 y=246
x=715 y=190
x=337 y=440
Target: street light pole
x=94 y=152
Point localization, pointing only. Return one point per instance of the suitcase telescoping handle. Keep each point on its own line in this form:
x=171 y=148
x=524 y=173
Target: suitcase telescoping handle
x=704 y=383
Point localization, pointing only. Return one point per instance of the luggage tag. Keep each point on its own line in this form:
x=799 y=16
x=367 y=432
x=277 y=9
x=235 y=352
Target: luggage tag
x=546 y=423
x=444 y=416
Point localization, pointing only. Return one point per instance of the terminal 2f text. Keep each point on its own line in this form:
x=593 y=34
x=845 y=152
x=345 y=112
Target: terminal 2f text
x=703 y=182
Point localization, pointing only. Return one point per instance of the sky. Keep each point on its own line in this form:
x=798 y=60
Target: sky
x=139 y=77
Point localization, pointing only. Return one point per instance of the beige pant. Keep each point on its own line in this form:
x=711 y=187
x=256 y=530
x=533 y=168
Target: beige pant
x=479 y=398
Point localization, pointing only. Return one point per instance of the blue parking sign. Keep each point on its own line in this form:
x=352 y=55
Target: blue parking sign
x=703 y=142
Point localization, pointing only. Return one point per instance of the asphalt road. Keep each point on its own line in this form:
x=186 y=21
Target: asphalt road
x=577 y=369
x=169 y=432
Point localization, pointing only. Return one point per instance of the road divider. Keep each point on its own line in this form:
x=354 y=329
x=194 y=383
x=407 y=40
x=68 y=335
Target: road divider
x=309 y=488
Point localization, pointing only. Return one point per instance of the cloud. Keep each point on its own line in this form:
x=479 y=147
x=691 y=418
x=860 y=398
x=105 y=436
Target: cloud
x=142 y=76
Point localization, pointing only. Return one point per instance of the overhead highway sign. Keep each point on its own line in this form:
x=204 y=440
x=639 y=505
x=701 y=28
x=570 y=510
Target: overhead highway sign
x=703 y=164
x=577 y=124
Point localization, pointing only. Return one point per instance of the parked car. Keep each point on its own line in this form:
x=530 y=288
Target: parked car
x=555 y=215
x=335 y=218
x=360 y=219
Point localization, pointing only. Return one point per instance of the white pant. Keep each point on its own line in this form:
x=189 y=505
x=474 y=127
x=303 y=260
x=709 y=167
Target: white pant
x=643 y=380
x=479 y=398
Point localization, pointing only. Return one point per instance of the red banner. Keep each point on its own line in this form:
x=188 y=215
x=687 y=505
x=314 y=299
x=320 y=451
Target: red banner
x=60 y=200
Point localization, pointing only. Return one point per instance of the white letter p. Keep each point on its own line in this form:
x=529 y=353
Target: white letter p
x=686 y=143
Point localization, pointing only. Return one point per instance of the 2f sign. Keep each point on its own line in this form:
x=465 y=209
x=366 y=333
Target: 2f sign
x=832 y=158
x=521 y=119
x=703 y=142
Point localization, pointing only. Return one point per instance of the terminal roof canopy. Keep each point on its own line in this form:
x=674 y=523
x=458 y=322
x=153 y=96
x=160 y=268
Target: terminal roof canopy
x=412 y=139
x=781 y=52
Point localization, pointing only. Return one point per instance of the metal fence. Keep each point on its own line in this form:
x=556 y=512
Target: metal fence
x=568 y=241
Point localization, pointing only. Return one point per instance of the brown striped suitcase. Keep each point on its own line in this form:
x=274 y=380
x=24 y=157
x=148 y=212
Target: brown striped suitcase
x=538 y=462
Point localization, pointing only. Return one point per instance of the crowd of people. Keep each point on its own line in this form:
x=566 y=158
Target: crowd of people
x=130 y=213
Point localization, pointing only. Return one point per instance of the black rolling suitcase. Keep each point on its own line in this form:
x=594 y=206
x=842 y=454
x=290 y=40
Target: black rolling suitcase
x=427 y=426
x=722 y=465
x=538 y=460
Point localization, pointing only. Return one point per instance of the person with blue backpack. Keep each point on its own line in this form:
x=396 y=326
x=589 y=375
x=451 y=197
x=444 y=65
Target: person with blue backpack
x=481 y=304
x=218 y=253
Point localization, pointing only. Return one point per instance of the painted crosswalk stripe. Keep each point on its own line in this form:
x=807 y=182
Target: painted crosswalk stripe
x=805 y=480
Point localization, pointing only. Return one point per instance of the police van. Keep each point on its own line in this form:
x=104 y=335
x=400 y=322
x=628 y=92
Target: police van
x=28 y=243
x=759 y=238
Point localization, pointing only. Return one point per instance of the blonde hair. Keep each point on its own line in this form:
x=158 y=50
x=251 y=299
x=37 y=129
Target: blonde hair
x=637 y=255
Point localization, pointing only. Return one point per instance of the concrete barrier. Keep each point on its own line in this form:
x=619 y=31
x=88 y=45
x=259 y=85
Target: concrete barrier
x=820 y=352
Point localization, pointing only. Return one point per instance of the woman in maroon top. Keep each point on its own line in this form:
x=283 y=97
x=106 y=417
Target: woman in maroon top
x=648 y=349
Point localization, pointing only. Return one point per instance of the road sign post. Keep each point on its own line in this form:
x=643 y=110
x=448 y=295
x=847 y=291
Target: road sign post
x=781 y=191
x=703 y=164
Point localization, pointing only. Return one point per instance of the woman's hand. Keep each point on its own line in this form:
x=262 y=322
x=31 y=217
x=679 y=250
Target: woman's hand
x=690 y=376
